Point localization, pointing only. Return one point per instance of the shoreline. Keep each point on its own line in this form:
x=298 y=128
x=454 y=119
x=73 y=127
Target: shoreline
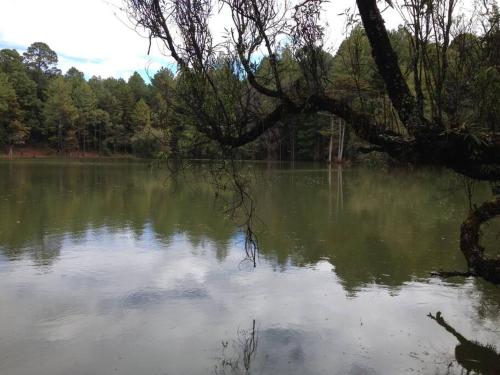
x=29 y=154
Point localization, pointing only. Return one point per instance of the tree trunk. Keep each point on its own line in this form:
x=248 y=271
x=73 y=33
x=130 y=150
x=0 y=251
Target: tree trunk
x=478 y=264
x=340 y=154
x=388 y=67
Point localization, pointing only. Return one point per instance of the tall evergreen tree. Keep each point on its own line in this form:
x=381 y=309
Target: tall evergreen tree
x=138 y=87
x=41 y=62
x=141 y=116
x=11 y=63
x=12 y=129
x=40 y=57
x=61 y=115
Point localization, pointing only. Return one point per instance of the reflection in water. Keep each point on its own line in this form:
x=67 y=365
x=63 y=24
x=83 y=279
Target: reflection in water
x=340 y=190
x=237 y=356
x=339 y=193
x=397 y=226
x=107 y=266
x=471 y=355
x=270 y=350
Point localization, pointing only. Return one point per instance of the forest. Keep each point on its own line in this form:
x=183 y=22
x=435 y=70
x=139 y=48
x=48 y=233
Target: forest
x=155 y=221
x=427 y=93
x=65 y=112
x=459 y=80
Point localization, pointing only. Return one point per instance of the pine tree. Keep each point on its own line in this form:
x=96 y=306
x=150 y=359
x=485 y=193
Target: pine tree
x=141 y=116
x=138 y=87
x=61 y=115
x=12 y=130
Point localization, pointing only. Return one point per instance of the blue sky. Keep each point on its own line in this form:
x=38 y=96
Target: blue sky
x=92 y=35
x=96 y=37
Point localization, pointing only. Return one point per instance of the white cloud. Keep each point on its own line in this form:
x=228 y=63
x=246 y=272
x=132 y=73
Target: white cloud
x=91 y=35
x=96 y=37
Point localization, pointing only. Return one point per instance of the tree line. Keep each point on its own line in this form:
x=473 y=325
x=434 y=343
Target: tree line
x=41 y=107
x=459 y=82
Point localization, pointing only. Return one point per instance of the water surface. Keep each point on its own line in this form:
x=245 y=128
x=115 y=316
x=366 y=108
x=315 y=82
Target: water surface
x=110 y=268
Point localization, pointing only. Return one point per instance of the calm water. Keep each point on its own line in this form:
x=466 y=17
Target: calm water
x=112 y=269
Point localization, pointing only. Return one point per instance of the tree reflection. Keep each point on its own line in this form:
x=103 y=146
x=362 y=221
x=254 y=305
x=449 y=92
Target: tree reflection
x=393 y=226
x=339 y=193
x=472 y=356
x=43 y=203
x=237 y=356
x=340 y=190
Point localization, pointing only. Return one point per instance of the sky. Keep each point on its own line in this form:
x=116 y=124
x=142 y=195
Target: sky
x=96 y=37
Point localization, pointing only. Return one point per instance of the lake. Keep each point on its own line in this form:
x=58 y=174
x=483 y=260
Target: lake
x=113 y=268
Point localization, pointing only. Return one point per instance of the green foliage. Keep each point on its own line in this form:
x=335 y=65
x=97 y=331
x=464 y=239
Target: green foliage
x=25 y=88
x=17 y=133
x=141 y=115
x=61 y=115
x=12 y=130
x=487 y=93
x=74 y=74
x=40 y=57
x=10 y=61
x=7 y=95
x=148 y=142
x=138 y=87
x=39 y=106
